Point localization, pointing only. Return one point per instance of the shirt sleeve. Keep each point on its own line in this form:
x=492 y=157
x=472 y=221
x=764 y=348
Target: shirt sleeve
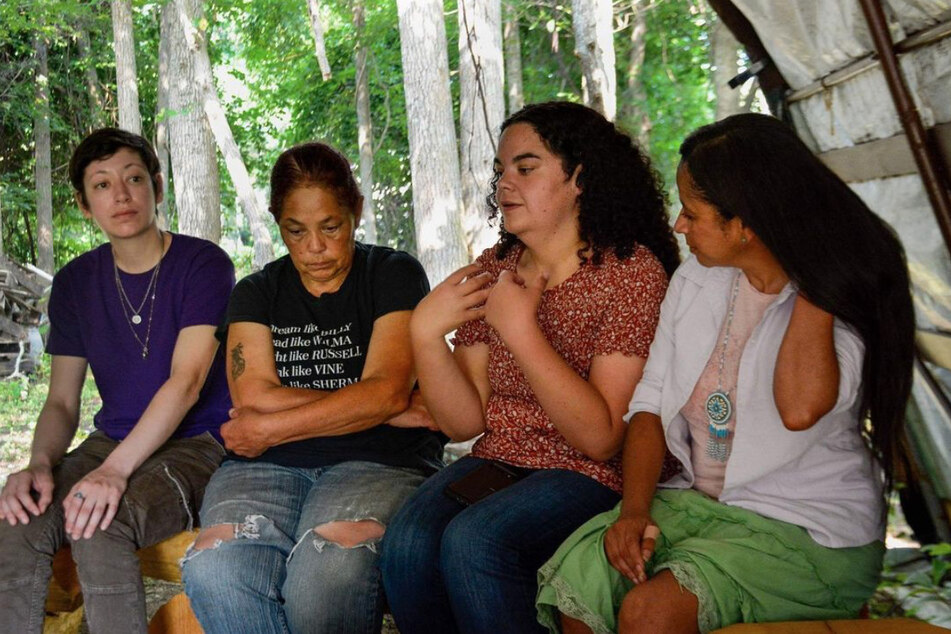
x=249 y=302
x=65 y=337
x=399 y=283
x=632 y=314
x=649 y=391
x=208 y=285
x=850 y=353
x=478 y=331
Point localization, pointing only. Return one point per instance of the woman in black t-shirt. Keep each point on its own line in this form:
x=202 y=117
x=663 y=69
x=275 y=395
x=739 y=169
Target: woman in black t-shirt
x=323 y=449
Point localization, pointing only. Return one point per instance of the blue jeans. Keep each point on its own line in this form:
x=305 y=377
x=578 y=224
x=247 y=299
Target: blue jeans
x=278 y=574
x=451 y=568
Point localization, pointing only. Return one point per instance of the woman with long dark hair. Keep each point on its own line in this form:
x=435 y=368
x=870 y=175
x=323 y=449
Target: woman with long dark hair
x=554 y=324
x=790 y=327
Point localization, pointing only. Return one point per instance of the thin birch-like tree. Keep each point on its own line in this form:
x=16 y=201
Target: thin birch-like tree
x=481 y=112
x=633 y=114
x=124 y=44
x=434 y=157
x=364 y=125
x=194 y=166
x=317 y=29
x=187 y=12
x=93 y=90
x=44 y=168
x=593 y=26
x=512 y=46
x=725 y=53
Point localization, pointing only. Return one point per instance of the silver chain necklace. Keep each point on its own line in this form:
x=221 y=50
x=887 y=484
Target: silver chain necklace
x=719 y=407
x=127 y=306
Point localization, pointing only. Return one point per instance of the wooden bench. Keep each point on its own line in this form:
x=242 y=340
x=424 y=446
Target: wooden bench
x=858 y=626
x=176 y=617
x=64 y=602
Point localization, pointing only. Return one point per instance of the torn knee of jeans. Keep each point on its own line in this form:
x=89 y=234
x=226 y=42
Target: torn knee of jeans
x=214 y=536
x=351 y=533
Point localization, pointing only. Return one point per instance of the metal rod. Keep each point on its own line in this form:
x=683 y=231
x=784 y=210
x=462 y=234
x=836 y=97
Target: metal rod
x=926 y=159
x=833 y=79
x=922 y=38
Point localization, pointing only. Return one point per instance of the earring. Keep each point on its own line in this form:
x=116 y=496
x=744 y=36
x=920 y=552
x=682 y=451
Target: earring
x=743 y=239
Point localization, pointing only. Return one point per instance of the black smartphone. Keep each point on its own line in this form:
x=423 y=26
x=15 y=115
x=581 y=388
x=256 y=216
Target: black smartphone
x=483 y=481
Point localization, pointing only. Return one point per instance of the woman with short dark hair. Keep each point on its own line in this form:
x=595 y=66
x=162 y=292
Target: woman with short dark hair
x=140 y=311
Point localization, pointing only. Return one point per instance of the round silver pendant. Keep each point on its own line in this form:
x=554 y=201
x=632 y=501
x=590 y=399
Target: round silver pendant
x=719 y=408
x=136 y=319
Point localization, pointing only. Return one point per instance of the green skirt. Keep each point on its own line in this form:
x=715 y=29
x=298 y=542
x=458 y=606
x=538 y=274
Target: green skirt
x=742 y=567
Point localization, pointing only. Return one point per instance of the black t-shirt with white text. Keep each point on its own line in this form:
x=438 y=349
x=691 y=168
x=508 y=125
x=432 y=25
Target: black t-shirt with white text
x=320 y=343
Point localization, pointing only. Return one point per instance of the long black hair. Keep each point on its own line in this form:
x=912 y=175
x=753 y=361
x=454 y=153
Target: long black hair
x=843 y=258
x=622 y=201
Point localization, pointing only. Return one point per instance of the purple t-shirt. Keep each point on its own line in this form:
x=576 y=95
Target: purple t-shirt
x=87 y=320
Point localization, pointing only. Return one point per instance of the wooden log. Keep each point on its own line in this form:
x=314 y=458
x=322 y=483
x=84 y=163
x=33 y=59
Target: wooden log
x=857 y=626
x=175 y=617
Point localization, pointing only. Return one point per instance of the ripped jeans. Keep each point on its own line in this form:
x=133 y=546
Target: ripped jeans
x=275 y=571
x=162 y=498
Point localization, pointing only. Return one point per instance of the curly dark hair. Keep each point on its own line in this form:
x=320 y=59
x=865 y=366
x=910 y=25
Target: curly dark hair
x=622 y=202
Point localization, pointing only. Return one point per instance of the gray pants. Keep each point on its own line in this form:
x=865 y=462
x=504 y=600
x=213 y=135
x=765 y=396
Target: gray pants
x=162 y=498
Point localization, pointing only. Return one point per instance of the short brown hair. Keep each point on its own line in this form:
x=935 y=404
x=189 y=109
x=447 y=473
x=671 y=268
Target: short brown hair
x=103 y=143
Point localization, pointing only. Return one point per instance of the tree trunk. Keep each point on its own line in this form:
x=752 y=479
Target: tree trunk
x=92 y=79
x=240 y=178
x=592 y=23
x=128 y=91
x=44 y=169
x=434 y=158
x=725 y=67
x=364 y=127
x=481 y=111
x=633 y=114
x=313 y=7
x=513 y=58
x=191 y=144
x=164 y=208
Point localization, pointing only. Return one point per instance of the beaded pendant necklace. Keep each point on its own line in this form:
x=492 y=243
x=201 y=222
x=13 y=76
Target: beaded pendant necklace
x=718 y=406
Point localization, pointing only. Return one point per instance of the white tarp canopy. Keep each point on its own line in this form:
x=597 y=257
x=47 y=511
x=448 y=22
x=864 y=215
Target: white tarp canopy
x=839 y=99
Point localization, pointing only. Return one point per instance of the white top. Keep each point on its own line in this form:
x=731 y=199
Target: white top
x=824 y=478
x=709 y=472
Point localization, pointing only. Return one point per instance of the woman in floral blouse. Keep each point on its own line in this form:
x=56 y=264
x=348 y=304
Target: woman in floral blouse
x=554 y=324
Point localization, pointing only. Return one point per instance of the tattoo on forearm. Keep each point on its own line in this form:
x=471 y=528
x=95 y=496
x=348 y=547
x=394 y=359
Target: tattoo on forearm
x=237 y=361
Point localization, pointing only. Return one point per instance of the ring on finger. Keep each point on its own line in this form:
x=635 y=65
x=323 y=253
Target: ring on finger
x=79 y=495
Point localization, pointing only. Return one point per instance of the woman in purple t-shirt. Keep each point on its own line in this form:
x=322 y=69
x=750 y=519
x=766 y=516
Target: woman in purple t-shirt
x=140 y=312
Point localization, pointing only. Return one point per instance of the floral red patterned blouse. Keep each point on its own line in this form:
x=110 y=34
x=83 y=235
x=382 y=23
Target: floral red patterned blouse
x=599 y=310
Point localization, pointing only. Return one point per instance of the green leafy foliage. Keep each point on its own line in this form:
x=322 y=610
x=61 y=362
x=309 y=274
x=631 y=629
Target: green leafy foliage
x=271 y=87
x=21 y=400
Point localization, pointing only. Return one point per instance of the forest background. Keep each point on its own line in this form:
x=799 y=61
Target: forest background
x=411 y=91
x=287 y=71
